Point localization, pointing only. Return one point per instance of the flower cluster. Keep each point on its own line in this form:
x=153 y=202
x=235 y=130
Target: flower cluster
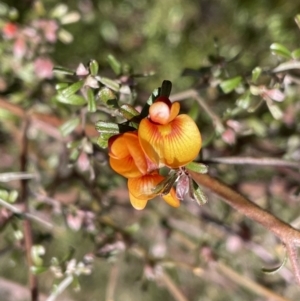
x=163 y=138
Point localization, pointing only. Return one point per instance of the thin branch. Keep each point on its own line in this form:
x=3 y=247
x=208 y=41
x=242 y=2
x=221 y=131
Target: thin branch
x=254 y=161
x=33 y=283
x=195 y=95
x=26 y=215
x=293 y=255
x=286 y=233
x=60 y=288
x=171 y=286
x=112 y=281
x=248 y=283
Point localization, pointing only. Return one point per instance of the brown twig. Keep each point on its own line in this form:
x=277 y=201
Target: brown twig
x=254 y=161
x=195 y=95
x=46 y=122
x=286 y=233
x=33 y=283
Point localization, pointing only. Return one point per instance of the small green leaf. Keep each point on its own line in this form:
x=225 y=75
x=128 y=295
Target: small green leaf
x=38 y=269
x=196 y=193
x=4 y=195
x=150 y=101
x=109 y=83
x=297 y=20
x=94 y=67
x=128 y=111
x=274 y=110
x=61 y=86
x=69 y=126
x=166 y=185
x=13 y=195
x=114 y=64
x=229 y=85
x=74 y=155
x=91 y=100
x=296 y=54
x=244 y=101
x=166 y=88
x=276 y=269
x=102 y=141
x=74 y=100
x=63 y=70
x=37 y=251
x=197 y=167
x=254 y=90
x=256 y=72
x=72 y=89
x=280 y=50
x=105 y=127
x=108 y=97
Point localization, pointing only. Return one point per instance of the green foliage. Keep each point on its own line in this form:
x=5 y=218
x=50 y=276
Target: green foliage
x=234 y=67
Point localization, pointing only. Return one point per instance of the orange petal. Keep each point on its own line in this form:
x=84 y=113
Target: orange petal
x=174 y=144
x=172 y=199
x=116 y=147
x=125 y=167
x=142 y=187
x=126 y=155
x=175 y=108
x=137 y=203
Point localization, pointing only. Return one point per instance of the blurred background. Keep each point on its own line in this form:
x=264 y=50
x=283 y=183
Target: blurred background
x=205 y=253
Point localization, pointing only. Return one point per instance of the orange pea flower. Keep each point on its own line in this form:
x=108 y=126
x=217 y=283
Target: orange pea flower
x=169 y=139
x=126 y=155
x=141 y=191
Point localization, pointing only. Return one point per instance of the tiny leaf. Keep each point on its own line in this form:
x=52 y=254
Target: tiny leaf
x=166 y=185
x=297 y=20
x=114 y=64
x=61 y=86
x=229 y=85
x=276 y=269
x=102 y=141
x=128 y=111
x=74 y=100
x=166 y=88
x=38 y=269
x=296 y=54
x=196 y=193
x=280 y=50
x=108 y=97
x=109 y=83
x=105 y=127
x=94 y=67
x=72 y=89
x=69 y=126
x=274 y=110
x=256 y=72
x=63 y=70
x=244 y=100
x=197 y=167
x=91 y=100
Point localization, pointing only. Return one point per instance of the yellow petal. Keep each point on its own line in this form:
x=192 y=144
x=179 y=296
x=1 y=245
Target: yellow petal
x=137 y=203
x=174 y=144
x=174 y=111
x=172 y=199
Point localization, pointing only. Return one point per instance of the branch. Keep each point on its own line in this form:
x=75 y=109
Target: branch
x=254 y=161
x=33 y=283
x=286 y=233
x=195 y=95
